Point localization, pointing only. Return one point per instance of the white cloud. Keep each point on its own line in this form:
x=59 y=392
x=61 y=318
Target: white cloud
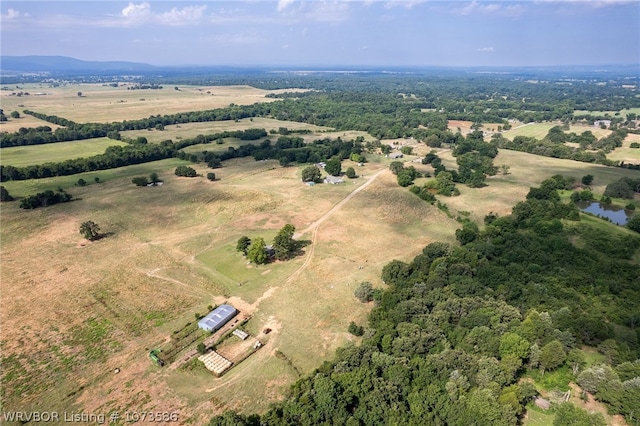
x=137 y=11
x=184 y=16
x=592 y=3
x=13 y=14
x=283 y=4
x=487 y=49
x=408 y=4
x=477 y=8
x=328 y=11
x=138 y=14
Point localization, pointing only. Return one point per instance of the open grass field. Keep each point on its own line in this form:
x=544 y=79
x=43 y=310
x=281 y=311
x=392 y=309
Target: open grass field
x=20 y=156
x=103 y=103
x=191 y=130
x=625 y=153
x=526 y=170
x=623 y=113
x=25 y=120
x=175 y=255
x=540 y=130
x=465 y=126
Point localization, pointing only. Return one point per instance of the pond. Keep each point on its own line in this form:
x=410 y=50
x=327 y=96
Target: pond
x=615 y=214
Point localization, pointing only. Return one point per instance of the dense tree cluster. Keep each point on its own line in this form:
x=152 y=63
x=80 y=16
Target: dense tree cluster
x=45 y=199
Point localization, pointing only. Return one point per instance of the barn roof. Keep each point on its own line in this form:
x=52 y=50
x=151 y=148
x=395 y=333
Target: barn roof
x=217 y=317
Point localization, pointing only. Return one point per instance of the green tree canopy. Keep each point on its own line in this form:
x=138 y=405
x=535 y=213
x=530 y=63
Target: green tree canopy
x=333 y=167
x=90 y=230
x=257 y=252
x=552 y=355
x=243 y=244
x=283 y=243
x=311 y=174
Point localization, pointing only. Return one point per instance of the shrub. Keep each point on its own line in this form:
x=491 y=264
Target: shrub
x=140 y=181
x=587 y=179
x=351 y=173
x=185 y=171
x=634 y=145
x=81 y=182
x=4 y=194
x=364 y=292
x=211 y=176
x=355 y=329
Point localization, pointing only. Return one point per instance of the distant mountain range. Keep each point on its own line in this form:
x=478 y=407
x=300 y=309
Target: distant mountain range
x=56 y=64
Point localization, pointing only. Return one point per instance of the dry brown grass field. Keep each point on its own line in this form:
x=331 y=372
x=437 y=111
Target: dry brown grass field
x=73 y=311
x=102 y=103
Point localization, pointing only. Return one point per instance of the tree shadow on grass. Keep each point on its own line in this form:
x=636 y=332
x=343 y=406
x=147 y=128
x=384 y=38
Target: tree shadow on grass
x=298 y=247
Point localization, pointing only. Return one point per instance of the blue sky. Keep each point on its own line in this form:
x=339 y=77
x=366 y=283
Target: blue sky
x=328 y=33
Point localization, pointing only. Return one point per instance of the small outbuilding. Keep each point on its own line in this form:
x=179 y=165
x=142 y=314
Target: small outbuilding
x=333 y=180
x=395 y=155
x=217 y=318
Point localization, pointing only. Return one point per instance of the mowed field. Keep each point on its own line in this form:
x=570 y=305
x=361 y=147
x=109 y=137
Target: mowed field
x=102 y=103
x=19 y=156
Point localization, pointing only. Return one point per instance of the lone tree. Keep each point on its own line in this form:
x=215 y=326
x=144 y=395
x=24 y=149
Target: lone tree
x=587 y=180
x=283 y=243
x=243 y=244
x=351 y=173
x=90 y=230
x=257 y=252
x=153 y=178
x=311 y=174
x=15 y=114
x=211 y=176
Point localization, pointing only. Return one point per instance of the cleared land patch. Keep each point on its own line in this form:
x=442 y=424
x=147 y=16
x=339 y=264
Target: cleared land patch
x=19 y=156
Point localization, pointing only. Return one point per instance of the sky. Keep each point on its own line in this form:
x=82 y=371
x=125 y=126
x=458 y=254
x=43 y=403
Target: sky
x=391 y=33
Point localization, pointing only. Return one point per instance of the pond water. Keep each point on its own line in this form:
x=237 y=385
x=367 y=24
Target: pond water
x=615 y=214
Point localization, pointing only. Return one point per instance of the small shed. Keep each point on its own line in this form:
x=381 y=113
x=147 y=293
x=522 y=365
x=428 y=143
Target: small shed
x=333 y=180
x=217 y=318
x=395 y=155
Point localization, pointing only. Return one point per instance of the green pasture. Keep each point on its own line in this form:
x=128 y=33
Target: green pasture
x=23 y=188
x=191 y=130
x=540 y=130
x=20 y=156
x=622 y=113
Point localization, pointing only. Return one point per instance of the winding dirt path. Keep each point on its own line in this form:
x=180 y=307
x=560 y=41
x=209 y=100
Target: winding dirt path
x=338 y=206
